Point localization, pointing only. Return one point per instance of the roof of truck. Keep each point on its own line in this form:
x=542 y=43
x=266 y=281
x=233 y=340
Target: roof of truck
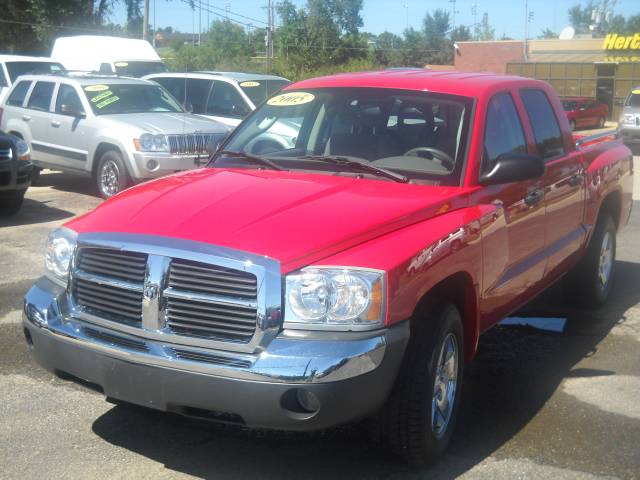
x=457 y=83
x=236 y=76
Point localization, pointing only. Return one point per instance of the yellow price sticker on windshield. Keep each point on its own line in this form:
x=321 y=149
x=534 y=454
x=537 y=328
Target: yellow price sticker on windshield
x=250 y=84
x=102 y=95
x=636 y=92
x=96 y=88
x=107 y=101
x=288 y=99
x=121 y=64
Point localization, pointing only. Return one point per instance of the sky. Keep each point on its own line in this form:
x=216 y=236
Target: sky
x=507 y=17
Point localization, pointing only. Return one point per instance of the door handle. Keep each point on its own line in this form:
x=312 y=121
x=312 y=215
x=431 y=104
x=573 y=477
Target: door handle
x=26 y=118
x=534 y=197
x=55 y=123
x=576 y=180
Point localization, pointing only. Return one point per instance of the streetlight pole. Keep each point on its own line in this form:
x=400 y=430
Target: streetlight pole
x=145 y=21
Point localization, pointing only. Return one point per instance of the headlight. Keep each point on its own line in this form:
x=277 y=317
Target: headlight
x=337 y=298
x=22 y=150
x=151 y=143
x=61 y=245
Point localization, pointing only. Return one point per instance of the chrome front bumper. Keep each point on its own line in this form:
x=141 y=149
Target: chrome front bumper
x=350 y=374
x=167 y=163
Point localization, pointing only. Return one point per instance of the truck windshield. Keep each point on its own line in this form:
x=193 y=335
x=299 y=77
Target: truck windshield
x=109 y=99
x=259 y=90
x=139 y=69
x=16 y=69
x=416 y=134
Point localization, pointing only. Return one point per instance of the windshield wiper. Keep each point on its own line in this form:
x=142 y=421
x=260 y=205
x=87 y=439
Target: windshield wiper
x=358 y=165
x=253 y=158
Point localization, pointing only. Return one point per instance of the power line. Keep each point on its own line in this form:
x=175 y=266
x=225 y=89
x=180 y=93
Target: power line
x=211 y=9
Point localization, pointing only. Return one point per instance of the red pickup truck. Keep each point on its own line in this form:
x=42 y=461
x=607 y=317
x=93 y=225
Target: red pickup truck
x=342 y=272
x=585 y=112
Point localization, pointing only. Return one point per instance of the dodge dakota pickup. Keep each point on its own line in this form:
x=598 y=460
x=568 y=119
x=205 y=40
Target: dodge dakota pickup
x=347 y=276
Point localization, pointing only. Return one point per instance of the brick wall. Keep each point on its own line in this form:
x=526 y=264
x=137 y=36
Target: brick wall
x=488 y=56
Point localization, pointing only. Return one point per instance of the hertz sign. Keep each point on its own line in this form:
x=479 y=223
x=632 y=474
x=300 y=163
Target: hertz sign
x=613 y=41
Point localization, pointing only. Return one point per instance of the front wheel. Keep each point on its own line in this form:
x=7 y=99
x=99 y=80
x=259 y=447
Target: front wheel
x=589 y=283
x=419 y=417
x=111 y=175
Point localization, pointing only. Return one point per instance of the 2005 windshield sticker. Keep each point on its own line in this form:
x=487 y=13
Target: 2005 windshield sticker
x=104 y=98
x=288 y=99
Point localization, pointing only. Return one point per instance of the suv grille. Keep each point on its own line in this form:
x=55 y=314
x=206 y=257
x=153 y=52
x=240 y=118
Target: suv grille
x=5 y=154
x=194 y=299
x=193 y=143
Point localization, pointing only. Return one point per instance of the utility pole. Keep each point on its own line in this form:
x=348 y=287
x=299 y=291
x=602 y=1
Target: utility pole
x=154 y=25
x=526 y=29
x=476 y=27
x=453 y=14
x=200 y=23
x=145 y=21
x=269 y=52
x=406 y=11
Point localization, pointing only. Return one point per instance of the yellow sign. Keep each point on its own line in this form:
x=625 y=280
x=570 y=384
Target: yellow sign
x=635 y=92
x=96 y=88
x=121 y=64
x=613 y=41
x=288 y=99
x=250 y=84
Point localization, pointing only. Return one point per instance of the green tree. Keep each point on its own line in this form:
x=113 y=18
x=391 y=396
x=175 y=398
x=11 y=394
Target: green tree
x=548 y=33
x=484 y=31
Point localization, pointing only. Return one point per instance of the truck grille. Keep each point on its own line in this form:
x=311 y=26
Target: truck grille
x=5 y=154
x=193 y=143
x=193 y=299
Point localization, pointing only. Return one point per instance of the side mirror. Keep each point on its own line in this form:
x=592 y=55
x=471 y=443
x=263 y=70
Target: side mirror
x=66 y=109
x=513 y=167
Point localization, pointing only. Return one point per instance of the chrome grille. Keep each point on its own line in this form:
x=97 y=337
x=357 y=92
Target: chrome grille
x=128 y=266
x=209 y=358
x=5 y=154
x=193 y=143
x=211 y=279
x=109 y=301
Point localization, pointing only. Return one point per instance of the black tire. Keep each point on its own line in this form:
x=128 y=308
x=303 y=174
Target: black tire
x=572 y=125
x=35 y=175
x=585 y=285
x=11 y=202
x=404 y=426
x=109 y=185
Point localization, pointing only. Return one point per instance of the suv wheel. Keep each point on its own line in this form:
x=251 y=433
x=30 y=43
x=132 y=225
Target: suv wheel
x=589 y=283
x=11 y=202
x=419 y=417
x=111 y=174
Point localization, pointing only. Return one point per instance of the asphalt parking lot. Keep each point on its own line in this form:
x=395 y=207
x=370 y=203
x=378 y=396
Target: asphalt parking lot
x=537 y=404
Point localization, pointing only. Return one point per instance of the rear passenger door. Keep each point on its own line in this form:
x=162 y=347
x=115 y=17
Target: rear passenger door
x=563 y=180
x=37 y=117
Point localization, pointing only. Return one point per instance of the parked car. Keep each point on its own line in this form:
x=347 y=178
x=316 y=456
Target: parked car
x=12 y=66
x=584 y=112
x=346 y=277
x=119 y=131
x=107 y=55
x=629 y=124
x=15 y=173
x=227 y=97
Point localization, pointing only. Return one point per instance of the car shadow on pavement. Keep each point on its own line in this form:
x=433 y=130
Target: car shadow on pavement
x=66 y=182
x=516 y=372
x=33 y=212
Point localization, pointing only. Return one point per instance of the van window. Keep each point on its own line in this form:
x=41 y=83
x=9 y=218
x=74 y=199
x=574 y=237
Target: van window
x=138 y=69
x=67 y=95
x=503 y=132
x=197 y=90
x=41 y=96
x=173 y=85
x=16 y=99
x=226 y=101
x=543 y=122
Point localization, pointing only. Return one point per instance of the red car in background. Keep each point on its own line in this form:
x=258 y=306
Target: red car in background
x=585 y=112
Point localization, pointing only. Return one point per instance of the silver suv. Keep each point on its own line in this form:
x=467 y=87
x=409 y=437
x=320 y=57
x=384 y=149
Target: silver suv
x=629 y=124
x=117 y=130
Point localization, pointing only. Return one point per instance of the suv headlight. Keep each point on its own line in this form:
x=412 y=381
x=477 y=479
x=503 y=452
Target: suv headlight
x=335 y=298
x=22 y=150
x=151 y=143
x=61 y=245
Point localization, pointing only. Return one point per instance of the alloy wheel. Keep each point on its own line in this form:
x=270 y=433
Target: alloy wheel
x=446 y=382
x=109 y=178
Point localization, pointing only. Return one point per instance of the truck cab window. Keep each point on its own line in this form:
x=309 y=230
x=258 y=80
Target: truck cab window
x=67 y=95
x=226 y=101
x=503 y=131
x=41 y=96
x=544 y=123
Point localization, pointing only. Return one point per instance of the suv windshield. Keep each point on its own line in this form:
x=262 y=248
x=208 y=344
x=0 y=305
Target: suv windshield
x=16 y=69
x=419 y=135
x=569 y=105
x=259 y=90
x=139 y=69
x=108 y=99
x=633 y=100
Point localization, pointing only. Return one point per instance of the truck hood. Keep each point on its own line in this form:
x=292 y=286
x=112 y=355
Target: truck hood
x=296 y=218
x=168 y=123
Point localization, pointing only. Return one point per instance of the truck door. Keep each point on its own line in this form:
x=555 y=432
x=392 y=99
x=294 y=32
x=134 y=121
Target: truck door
x=563 y=181
x=512 y=249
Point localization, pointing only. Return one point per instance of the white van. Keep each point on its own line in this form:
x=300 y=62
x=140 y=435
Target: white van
x=107 y=55
x=12 y=66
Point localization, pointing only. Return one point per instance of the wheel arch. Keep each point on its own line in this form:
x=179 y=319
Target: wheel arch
x=612 y=204
x=101 y=149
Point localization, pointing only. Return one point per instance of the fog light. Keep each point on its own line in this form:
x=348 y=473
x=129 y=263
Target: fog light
x=307 y=400
x=152 y=165
x=34 y=315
